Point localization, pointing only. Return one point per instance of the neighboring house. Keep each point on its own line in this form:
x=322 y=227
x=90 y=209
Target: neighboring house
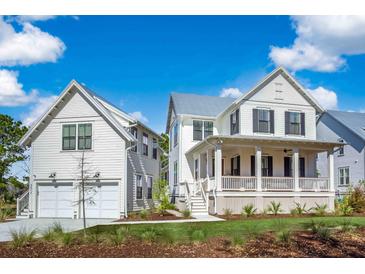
x=121 y=154
x=261 y=147
x=349 y=161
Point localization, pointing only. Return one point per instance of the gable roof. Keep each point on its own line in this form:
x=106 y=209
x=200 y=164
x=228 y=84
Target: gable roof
x=104 y=108
x=353 y=121
x=270 y=77
x=198 y=105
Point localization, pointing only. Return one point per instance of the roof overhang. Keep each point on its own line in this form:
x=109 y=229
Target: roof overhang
x=264 y=141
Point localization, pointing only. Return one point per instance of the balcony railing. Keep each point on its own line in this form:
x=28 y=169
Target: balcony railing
x=249 y=183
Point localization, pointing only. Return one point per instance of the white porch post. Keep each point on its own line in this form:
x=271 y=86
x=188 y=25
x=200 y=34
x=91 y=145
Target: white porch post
x=218 y=166
x=258 y=169
x=331 y=169
x=296 y=169
x=208 y=172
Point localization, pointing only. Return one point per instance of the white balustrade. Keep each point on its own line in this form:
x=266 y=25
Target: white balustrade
x=239 y=183
x=314 y=184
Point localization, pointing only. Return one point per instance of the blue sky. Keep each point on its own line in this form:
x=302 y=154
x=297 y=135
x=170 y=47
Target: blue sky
x=136 y=62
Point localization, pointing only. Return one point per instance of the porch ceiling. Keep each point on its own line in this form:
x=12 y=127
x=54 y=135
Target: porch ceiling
x=264 y=141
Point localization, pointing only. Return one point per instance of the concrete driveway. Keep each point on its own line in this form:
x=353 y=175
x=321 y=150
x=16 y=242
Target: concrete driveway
x=41 y=225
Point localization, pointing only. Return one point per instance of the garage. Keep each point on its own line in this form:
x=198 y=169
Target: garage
x=55 y=200
x=102 y=201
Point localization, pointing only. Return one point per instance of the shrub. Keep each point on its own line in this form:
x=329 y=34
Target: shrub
x=279 y=224
x=227 y=212
x=186 y=213
x=299 y=209
x=166 y=235
x=320 y=210
x=57 y=228
x=198 y=236
x=22 y=237
x=252 y=230
x=66 y=239
x=346 y=225
x=284 y=236
x=149 y=235
x=356 y=198
x=144 y=214
x=5 y=213
x=324 y=233
x=248 y=210
x=237 y=239
x=274 y=208
x=49 y=235
x=118 y=236
x=344 y=208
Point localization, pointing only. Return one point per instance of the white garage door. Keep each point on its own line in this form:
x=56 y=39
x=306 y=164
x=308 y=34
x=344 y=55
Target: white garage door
x=102 y=201
x=55 y=200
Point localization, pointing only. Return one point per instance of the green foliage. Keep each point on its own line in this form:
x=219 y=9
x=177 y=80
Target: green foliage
x=21 y=237
x=57 y=227
x=284 y=236
x=343 y=207
x=198 y=235
x=49 y=235
x=248 y=210
x=161 y=194
x=5 y=213
x=252 y=230
x=324 y=233
x=274 y=208
x=118 y=236
x=346 y=225
x=320 y=229
x=299 y=209
x=10 y=133
x=149 y=236
x=237 y=239
x=227 y=212
x=186 y=213
x=356 y=198
x=144 y=214
x=320 y=210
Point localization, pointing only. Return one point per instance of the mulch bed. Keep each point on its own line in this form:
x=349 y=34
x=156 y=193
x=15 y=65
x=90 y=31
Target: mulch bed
x=303 y=244
x=272 y=216
x=151 y=217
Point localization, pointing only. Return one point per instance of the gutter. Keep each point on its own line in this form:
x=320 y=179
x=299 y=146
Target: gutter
x=126 y=181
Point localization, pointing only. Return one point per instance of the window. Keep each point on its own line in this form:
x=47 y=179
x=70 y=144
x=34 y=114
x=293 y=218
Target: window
x=264 y=120
x=265 y=166
x=208 y=128
x=175 y=134
x=344 y=176
x=235 y=166
x=154 y=148
x=84 y=136
x=235 y=122
x=175 y=173
x=149 y=187
x=134 y=132
x=197 y=130
x=196 y=169
x=288 y=167
x=69 y=137
x=294 y=123
x=139 y=186
x=145 y=144
x=341 y=150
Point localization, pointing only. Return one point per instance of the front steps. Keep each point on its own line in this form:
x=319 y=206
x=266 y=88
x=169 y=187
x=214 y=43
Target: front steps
x=198 y=206
x=24 y=214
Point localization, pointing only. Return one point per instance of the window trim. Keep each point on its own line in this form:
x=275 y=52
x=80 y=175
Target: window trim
x=268 y=121
x=299 y=124
x=135 y=148
x=154 y=148
x=145 y=146
x=77 y=136
x=136 y=176
x=175 y=132
x=203 y=135
x=339 y=176
x=341 y=150
x=149 y=188
x=234 y=114
x=175 y=173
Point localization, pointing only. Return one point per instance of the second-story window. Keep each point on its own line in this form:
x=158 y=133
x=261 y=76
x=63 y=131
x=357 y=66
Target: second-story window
x=154 y=148
x=68 y=137
x=263 y=120
x=135 y=134
x=84 y=136
x=197 y=130
x=235 y=121
x=341 y=150
x=294 y=123
x=149 y=187
x=208 y=128
x=175 y=134
x=139 y=190
x=145 y=144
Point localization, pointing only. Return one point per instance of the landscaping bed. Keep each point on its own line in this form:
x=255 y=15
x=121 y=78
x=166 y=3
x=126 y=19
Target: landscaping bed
x=275 y=237
x=151 y=217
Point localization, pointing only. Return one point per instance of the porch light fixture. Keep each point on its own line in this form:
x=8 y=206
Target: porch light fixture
x=97 y=174
x=52 y=175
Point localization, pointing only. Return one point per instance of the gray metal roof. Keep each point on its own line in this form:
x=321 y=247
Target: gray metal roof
x=201 y=105
x=354 y=121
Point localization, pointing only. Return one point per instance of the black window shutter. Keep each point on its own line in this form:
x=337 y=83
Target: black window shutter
x=232 y=160
x=231 y=123
x=301 y=167
x=239 y=165
x=302 y=123
x=255 y=120
x=269 y=159
x=272 y=121
x=253 y=165
x=287 y=166
x=237 y=121
x=287 y=122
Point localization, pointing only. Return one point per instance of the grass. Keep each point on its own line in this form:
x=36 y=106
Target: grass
x=249 y=228
x=21 y=237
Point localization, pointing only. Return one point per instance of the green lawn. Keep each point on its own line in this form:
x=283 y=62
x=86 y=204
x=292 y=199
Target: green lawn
x=249 y=227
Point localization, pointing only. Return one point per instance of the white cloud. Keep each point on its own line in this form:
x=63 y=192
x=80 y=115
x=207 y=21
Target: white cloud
x=139 y=116
x=28 y=46
x=322 y=43
x=230 y=92
x=36 y=111
x=11 y=91
x=33 y=18
x=327 y=98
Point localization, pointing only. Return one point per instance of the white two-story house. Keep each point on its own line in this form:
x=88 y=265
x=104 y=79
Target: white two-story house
x=262 y=147
x=121 y=159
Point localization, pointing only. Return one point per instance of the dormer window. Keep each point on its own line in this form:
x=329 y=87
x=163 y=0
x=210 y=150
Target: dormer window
x=235 y=120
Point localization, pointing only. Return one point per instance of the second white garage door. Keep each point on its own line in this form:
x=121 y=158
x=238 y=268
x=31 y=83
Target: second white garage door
x=103 y=201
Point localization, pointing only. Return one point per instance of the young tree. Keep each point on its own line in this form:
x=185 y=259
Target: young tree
x=10 y=133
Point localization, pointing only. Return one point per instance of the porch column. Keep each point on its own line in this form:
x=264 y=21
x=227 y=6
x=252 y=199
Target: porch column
x=258 y=169
x=209 y=166
x=218 y=167
x=296 y=169
x=331 y=170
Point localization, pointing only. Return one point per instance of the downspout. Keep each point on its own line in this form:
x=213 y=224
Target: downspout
x=126 y=180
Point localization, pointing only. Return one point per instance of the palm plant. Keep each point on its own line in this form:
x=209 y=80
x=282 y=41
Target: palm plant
x=248 y=210
x=299 y=209
x=274 y=208
x=227 y=212
x=320 y=210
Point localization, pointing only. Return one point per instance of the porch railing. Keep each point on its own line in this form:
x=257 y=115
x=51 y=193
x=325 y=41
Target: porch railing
x=22 y=202
x=277 y=183
x=239 y=183
x=314 y=184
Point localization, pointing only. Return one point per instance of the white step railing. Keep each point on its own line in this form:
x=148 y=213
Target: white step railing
x=239 y=183
x=277 y=183
x=22 y=202
x=314 y=184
